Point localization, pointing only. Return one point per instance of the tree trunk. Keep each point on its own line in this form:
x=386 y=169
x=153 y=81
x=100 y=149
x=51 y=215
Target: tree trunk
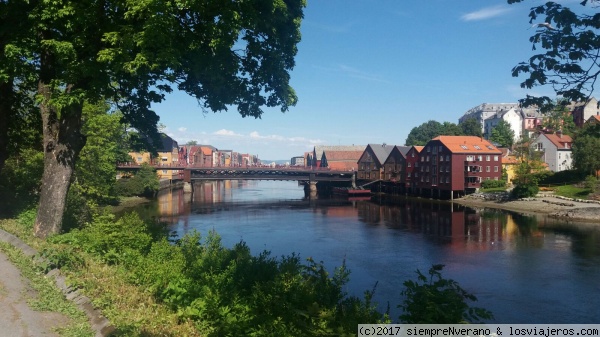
x=62 y=140
x=6 y=95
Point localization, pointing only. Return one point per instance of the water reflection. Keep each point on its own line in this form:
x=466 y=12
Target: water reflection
x=526 y=269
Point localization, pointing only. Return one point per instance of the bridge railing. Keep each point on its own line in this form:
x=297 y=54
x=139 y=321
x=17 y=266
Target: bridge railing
x=191 y=166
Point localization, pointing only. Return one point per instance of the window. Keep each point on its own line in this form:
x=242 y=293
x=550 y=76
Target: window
x=495 y=168
x=539 y=146
x=441 y=158
x=139 y=159
x=428 y=149
x=464 y=147
x=427 y=158
x=487 y=158
x=417 y=164
x=490 y=147
x=476 y=147
x=480 y=158
x=447 y=158
x=487 y=169
x=409 y=174
x=440 y=148
x=427 y=179
x=427 y=169
x=422 y=159
x=447 y=179
x=470 y=158
x=434 y=181
x=495 y=158
x=412 y=154
x=409 y=164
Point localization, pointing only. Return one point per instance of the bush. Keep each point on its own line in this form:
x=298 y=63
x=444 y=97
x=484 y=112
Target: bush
x=590 y=183
x=525 y=191
x=438 y=301
x=143 y=183
x=493 y=184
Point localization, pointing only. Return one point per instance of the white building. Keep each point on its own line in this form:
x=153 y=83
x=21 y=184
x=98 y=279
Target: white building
x=512 y=117
x=556 y=149
x=485 y=111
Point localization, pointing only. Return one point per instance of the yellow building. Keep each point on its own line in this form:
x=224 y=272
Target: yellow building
x=167 y=156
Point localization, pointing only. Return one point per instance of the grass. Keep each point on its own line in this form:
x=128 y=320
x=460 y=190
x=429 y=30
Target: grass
x=130 y=308
x=494 y=189
x=49 y=297
x=571 y=191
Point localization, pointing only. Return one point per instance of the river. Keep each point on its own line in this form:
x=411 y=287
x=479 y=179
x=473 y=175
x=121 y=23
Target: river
x=523 y=268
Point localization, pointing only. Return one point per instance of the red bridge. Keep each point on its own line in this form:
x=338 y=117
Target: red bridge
x=307 y=174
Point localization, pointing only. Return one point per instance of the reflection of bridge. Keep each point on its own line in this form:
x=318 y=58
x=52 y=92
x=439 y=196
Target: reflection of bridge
x=305 y=174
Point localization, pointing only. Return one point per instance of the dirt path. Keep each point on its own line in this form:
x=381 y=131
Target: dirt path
x=16 y=317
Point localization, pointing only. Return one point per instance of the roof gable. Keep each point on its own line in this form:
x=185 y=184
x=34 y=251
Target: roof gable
x=560 y=141
x=380 y=151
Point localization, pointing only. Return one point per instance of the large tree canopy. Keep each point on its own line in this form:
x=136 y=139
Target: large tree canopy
x=571 y=44
x=226 y=54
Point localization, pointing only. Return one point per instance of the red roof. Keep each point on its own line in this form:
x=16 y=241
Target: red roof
x=343 y=155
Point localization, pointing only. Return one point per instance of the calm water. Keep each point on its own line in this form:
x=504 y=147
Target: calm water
x=525 y=269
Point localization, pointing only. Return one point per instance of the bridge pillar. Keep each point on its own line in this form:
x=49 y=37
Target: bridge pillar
x=313 y=189
x=187 y=187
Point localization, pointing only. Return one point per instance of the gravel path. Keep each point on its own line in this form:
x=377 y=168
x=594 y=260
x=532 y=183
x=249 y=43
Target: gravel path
x=16 y=317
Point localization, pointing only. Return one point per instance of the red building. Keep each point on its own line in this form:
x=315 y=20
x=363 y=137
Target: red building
x=456 y=165
x=412 y=168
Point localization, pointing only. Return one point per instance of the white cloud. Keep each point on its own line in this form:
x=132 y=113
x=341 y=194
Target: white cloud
x=486 y=13
x=182 y=129
x=224 y=132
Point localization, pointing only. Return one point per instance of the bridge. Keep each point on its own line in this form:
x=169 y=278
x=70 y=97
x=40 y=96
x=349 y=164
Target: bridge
x=303 y=174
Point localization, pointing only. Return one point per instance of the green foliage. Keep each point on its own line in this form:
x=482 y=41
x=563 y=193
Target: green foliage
x=226 y=292
x=493 y=184
x=567 y=63
x=560 y=178
x=503 y=134
x=471 y=127
x=20 y=181
x=95 y=171
x=525 y=191
x=585 y=148
x=572 y=191
x=423 y=133
x=591 y=183
x=436 y=300
x=144 y=183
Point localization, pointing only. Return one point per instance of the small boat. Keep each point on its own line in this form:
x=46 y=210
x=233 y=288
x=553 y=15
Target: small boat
x=351 y=192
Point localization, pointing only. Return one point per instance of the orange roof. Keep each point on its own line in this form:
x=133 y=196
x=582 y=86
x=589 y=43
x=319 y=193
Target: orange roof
x=509 y=160
x=559 y=141
x=419 y=148
x=206 y=151
x=467 y=144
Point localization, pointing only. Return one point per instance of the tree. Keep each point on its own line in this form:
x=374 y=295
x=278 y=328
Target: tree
x=471 y=127
x=558 y=117
x=450 y=129
x=585 y=150
x=225 y=54
x=191 y=142
x=503 y=134
x=436 y=300
x=571 y=62
x=528 y=170
x=423 y=133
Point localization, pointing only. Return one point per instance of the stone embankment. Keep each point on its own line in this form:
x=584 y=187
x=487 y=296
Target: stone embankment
x=544 y=203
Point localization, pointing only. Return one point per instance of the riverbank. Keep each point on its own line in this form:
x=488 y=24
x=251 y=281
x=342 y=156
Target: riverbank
x=553 y=206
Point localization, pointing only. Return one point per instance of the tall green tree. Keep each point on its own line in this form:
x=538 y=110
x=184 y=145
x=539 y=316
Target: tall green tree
x=420 y=135
x=471 y=127
x=503 y=134
x=585 y=150
x=226 y=54
x=569 y=61
x=451 y=129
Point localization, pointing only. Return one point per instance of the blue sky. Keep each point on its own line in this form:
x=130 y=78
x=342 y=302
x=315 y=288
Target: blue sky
x=370 y=71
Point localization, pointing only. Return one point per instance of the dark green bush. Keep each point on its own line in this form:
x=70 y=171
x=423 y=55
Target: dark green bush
x=493 y=184
x=436 y=300
x=524 y=191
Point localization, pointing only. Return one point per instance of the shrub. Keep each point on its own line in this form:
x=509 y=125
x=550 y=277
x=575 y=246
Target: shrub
x=590 y=183
x=436 y=300
x=493 y=184
x=525 y=191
